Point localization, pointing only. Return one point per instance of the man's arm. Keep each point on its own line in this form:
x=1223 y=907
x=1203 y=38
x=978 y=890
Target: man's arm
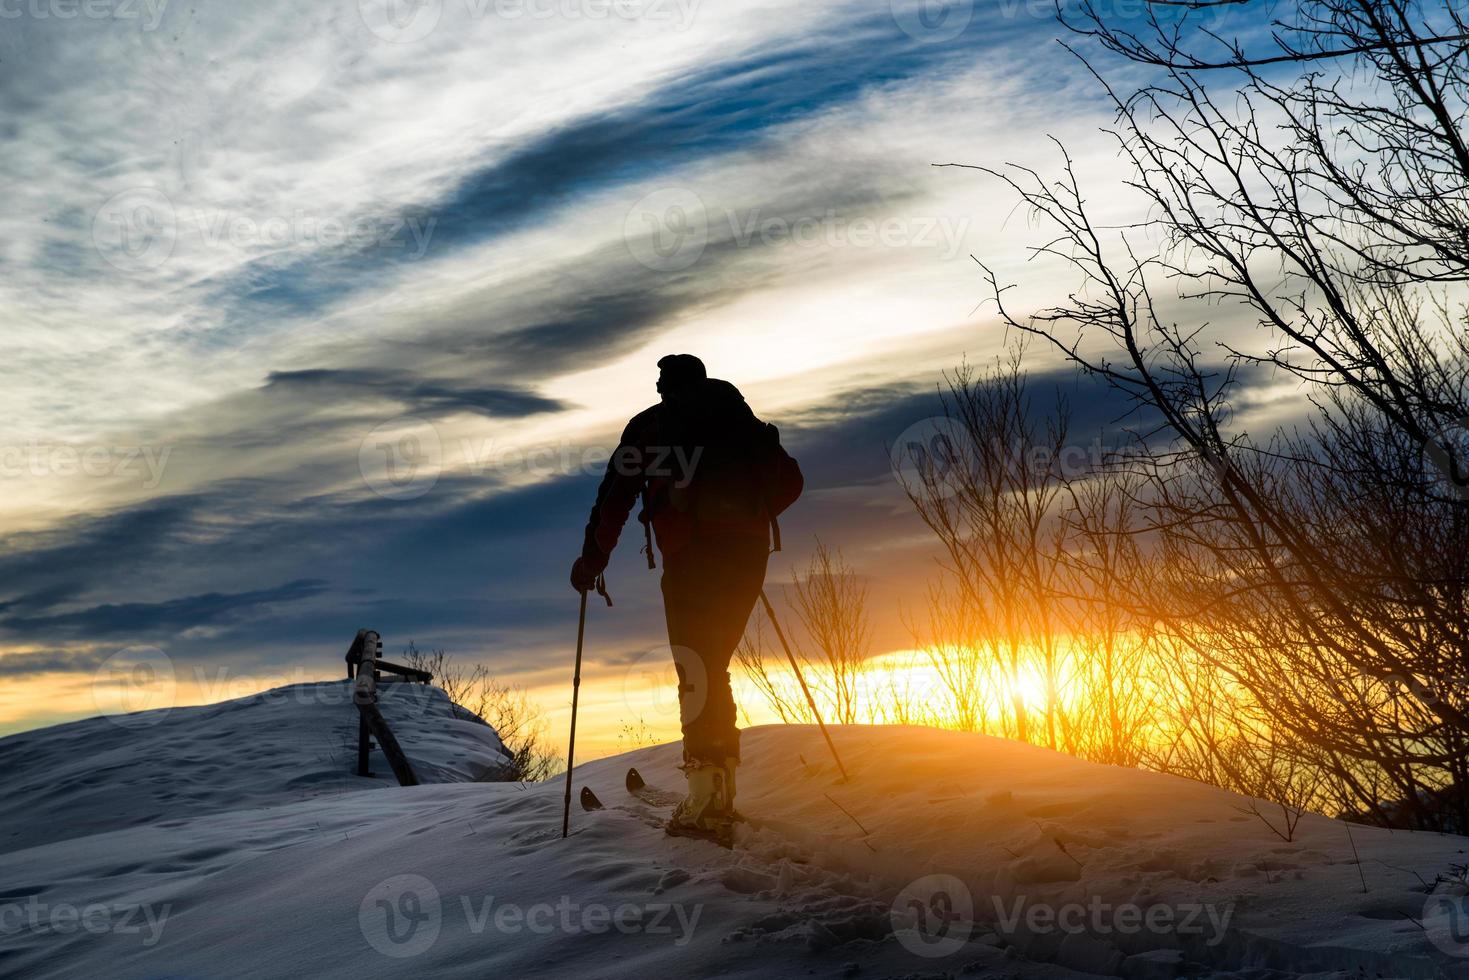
x=618 y=492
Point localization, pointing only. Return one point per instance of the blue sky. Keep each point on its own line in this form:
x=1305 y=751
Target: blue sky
x=327 y=317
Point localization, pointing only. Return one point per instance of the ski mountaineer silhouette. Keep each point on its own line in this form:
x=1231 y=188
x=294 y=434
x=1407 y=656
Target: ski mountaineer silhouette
x=712 y=479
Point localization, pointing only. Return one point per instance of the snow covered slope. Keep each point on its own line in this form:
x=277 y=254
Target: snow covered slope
x=945 y=854
x=280 y=746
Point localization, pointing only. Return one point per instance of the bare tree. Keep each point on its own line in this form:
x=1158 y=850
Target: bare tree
x=989 y=489
x=831 y=601
x=963 y=657
x=519 y=722
x=1326 y=199
x=831 y=605
x=1112 y=647
x=778 y=691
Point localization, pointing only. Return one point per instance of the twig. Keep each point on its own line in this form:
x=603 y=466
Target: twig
x=1355 y=856
x=1407 y=871
x=1057 y=841
x=1062 y=848
x=864 y=830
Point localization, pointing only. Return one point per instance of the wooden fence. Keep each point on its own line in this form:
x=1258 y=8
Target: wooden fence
x=365 y=668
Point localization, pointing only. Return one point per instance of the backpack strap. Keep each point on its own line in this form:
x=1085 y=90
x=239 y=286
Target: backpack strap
x=647 y=515
x=647 y=518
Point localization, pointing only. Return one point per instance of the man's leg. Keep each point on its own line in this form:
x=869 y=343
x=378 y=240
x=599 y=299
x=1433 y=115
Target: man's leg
x=709 y=591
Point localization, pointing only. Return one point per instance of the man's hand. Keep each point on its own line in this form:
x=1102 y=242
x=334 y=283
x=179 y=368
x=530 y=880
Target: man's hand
x=584 y=574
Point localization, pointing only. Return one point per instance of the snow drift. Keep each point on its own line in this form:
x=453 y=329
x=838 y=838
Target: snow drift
x=233 y=840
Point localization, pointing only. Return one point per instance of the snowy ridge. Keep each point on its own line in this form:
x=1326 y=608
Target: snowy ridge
x=284 y=745
x=1041 y=859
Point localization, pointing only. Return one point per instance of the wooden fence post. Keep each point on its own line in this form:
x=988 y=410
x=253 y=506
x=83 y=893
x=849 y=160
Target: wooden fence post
x=365 y=669
x=368 y=647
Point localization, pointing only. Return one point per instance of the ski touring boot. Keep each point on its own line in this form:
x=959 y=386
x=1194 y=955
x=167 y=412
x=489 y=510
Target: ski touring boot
x=707 y=812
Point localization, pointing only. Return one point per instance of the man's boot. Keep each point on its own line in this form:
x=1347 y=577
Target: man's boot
x=705 y=812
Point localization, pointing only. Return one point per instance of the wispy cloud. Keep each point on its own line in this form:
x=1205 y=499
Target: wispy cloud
x=250 y=239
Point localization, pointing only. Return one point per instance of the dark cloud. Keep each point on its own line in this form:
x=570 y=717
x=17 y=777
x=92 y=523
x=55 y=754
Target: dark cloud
x=474 y=566
x=729 y=106
x=47 y=598
x=422 y=397
x=50 y=662
x=121 y=547
x=139 y=619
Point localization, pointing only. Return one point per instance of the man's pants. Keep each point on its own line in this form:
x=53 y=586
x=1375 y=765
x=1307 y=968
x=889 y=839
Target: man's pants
x=709 y=590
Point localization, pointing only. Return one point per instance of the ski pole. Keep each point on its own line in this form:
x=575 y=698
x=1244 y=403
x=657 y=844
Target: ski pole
x=770 y=612
x=581 y=631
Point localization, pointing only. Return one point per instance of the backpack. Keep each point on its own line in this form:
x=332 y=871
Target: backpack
x=723 y=465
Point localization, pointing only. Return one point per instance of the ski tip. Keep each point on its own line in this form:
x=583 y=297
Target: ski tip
x=635 y=781
x=589 y=799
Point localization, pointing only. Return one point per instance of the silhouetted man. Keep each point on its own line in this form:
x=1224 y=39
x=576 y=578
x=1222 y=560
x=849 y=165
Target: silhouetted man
x=712 y=478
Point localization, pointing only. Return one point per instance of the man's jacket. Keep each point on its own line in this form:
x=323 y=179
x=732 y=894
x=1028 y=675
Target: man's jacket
x=702 y=465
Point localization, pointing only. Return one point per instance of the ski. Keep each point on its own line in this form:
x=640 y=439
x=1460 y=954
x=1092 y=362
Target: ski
x=589 y=801
x=650 y=795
